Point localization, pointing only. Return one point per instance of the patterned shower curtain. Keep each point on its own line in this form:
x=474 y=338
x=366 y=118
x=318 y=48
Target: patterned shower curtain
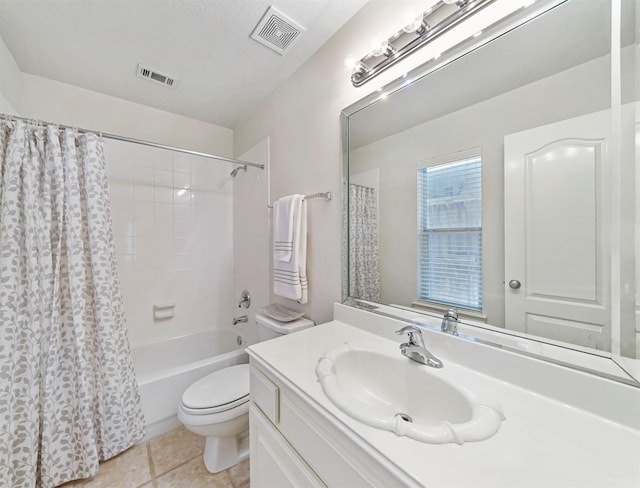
x=364 y=274
x=68 y=394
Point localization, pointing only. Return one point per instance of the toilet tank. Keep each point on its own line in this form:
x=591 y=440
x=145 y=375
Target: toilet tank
x=269 y=328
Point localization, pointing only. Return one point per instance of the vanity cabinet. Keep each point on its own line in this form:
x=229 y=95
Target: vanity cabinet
x=555 y=416
x=294 y=443
x=273 y=461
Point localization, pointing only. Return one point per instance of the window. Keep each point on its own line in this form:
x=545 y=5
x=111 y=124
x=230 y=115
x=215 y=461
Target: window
x=450 y=231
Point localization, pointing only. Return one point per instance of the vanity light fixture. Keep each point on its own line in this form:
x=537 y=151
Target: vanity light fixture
x=415 y=34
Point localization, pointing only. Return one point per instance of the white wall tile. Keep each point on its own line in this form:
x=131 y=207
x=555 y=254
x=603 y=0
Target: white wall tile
x=181 y=180
x=163 y=194
x=182 y=212
x=164 y=254
x=163 y=211
x=182 y=228
x=184 y=260
x=143 y=193
x=119 y=172
x=181 y=163
x=162 y=159
x=164 y=229
x=163 y=178
x=142 y=176
x=124 y=245
x=182 y=245
x=182 y=196
x=138 y=155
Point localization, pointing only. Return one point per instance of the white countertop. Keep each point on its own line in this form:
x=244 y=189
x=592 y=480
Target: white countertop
x=542 y=442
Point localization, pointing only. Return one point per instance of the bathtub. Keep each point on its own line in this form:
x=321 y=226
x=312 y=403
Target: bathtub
x=165 y=369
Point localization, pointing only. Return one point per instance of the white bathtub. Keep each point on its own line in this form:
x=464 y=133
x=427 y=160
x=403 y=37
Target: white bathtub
x=165 y=369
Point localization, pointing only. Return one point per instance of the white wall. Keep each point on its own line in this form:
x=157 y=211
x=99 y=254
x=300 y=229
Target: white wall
x=555 y=98
x=62 y=103
x=10 y=78
x=302 y=120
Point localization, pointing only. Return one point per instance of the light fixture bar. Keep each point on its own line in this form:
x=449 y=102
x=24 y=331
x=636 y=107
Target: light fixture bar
x=429 y=25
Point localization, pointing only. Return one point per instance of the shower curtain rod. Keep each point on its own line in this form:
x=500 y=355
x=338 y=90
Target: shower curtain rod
x=141 y=142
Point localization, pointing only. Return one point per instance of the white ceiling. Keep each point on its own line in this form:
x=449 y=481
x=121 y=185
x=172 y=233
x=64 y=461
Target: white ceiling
x=221 y=73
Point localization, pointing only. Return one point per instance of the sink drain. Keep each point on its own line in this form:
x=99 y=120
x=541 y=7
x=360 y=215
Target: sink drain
x=405 y=417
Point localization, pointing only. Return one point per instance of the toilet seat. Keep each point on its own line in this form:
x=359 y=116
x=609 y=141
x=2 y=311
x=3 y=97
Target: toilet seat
x=217 y=408
x=219 y=391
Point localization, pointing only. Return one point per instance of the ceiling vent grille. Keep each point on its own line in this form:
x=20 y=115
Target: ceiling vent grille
x=154 y=75
x=277 y=31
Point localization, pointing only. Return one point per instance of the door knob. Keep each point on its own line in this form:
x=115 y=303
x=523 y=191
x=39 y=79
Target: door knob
x=514 y=284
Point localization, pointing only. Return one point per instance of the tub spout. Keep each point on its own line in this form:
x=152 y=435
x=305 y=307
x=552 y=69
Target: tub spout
x=240 y=320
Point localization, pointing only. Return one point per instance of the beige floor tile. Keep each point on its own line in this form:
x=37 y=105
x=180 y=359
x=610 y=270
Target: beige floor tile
x=127 y=470
x=174 y=448
x=193 y=475
x=239 y=474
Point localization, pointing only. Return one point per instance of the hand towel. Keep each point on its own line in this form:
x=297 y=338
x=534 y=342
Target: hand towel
x=283 y=228
x=290 y=278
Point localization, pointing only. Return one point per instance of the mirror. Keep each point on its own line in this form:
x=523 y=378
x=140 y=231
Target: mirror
x=504 y=184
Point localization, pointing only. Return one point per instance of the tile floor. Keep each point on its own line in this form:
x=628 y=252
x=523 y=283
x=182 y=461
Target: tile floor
x=172 y=460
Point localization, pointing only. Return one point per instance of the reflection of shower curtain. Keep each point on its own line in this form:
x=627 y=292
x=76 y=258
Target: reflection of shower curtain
x=68 y=395
x=364 y=274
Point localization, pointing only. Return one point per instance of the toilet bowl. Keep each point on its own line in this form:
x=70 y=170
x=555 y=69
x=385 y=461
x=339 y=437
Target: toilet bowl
x=217 y=407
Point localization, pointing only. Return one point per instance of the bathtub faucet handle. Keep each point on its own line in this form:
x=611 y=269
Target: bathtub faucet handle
x=245 y=299
x=240 y=320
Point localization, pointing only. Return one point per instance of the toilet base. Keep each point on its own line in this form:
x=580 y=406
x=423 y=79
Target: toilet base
x=221 y=453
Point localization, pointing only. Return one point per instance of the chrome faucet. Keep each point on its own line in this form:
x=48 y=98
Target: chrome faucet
x=240 y=320
x=450 y=322
x=245 y=299
x=415 y=350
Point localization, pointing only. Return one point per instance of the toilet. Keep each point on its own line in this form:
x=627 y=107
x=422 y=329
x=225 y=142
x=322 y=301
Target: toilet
x=217 y=406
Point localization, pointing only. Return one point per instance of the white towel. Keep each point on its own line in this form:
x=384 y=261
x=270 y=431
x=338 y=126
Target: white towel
x=283 y=227
x=290 y=278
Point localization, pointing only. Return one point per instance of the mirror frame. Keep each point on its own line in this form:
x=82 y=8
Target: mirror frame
x=592 y=362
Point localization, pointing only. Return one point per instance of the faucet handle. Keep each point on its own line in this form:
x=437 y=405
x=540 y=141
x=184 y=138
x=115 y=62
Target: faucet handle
x=413 y=332
x=451 y=313
x=408 y=329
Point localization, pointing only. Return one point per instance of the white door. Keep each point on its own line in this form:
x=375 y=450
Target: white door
x=557 y=249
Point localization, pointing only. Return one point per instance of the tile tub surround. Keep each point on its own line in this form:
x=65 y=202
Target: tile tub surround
x=173 y=229
x=544 y=441
x=173 y=460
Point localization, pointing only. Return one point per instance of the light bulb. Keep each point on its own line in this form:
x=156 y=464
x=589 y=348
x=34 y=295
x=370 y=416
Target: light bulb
x=382 y=49
x=350 y=62
x=413 y=25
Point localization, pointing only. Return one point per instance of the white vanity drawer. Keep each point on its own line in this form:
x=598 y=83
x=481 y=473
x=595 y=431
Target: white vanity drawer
x=265 y=394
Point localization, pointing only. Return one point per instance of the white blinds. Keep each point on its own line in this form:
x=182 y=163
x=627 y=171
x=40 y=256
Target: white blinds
x=450 y=233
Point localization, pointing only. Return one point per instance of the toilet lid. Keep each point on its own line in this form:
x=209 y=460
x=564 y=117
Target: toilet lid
x=219 y=388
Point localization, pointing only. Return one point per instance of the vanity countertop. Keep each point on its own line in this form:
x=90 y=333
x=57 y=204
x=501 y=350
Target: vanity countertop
x=542 y=442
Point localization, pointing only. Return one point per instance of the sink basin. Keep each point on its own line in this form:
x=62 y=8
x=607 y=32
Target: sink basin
x=402 y=396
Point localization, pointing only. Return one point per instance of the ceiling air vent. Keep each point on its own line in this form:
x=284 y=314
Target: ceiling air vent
x=277 y=31
x=155 y=75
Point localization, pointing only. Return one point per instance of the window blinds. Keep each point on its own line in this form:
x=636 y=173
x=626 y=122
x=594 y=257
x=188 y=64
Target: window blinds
x=450 y=233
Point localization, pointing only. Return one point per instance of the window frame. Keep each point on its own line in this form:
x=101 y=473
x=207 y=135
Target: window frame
x=472 y=156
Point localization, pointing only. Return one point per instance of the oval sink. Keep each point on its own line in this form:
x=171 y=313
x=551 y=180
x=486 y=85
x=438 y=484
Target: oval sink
x=404 y=397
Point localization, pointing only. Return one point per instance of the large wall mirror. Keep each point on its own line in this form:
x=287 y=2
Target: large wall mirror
x=505 y=184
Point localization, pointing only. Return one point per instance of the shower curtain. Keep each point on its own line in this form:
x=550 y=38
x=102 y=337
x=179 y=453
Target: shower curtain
x=68 y=395
x=364 y=274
